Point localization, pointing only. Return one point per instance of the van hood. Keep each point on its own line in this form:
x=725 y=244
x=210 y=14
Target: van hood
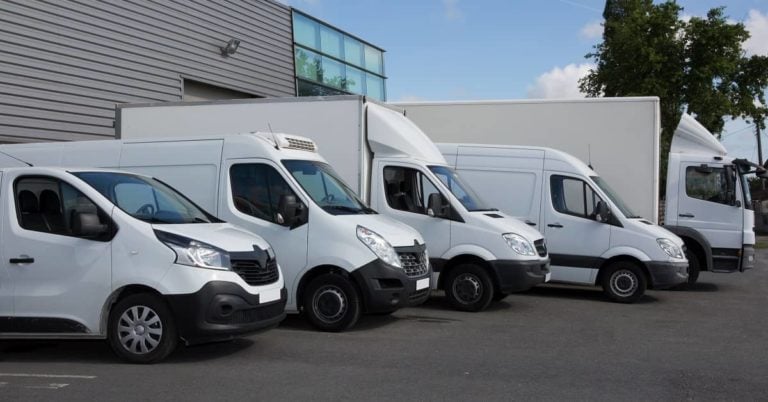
x=395 y=232
x=503 y=223
x=650 y=229
x=225 y=236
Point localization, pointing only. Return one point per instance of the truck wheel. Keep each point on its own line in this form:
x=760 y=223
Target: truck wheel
x=624 y=282
x=694 y=268
x=469 y=288
x=332 y=303
x=141 y=329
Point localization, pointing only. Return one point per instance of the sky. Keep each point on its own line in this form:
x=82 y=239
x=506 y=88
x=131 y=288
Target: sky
x=505 y=49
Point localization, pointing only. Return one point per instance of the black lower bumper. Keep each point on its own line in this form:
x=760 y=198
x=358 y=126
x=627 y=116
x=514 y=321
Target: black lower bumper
x=747 y=257
x=517 y=276
x=666 y=274
x=223 y=310
x=386 y=288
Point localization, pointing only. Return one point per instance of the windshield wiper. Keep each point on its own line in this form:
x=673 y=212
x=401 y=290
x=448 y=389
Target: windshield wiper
x=344 y=208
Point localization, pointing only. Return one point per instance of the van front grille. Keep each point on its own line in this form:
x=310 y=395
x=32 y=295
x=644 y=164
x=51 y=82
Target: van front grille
x=254 y=274
x=541 y=247
x=414 y=264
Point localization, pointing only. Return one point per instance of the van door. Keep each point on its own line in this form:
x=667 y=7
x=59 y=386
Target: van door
x=61 y=280
x=575 y=239
x=6 y=288
x=704 y=205
x=403 y=194
x=250 y=194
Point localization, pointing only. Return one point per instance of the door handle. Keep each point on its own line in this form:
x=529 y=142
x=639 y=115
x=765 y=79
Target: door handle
x=529 y=223
x=555 y=225
x=686 y=215
x=22 y=260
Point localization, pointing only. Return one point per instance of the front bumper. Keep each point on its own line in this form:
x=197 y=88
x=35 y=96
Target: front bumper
x=517 y=276
x=747 y=257
x=386 y=288
x=665 y=274
x=223 y=310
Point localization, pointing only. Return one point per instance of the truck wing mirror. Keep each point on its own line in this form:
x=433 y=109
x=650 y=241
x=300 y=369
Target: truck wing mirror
x=437 y=206
x=730 y=186
x=603 y=212
x=87 y=224
x=290 y=212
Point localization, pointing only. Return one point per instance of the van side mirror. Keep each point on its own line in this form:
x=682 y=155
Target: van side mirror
x=603 y=212
x=290 y=212
x=87 y=224
x=437 y=206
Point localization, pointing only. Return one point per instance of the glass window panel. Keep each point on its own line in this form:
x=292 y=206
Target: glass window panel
x=707 y=186
x=307 y=65
x=374 y=87
x=304 y=31
x=333 y=73
x=353 y=51
x=373 y=60
x=307 y=88
x=330 y=42
x=354 y=80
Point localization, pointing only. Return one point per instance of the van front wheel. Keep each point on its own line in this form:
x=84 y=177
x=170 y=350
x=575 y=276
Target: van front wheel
x=469 y=288
x=141 y=329
x=623 y=282
x=332 y=303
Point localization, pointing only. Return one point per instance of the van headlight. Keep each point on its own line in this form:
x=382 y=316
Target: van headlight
x=379 y=246
x=520 y=244
x=195 y=253
x=672 y=249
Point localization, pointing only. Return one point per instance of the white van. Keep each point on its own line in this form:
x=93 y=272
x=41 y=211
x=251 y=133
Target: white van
x=340 y=258
x=592 y=236
x=91 y=253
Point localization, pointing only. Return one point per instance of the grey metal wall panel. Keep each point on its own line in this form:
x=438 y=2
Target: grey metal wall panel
x=65 y=64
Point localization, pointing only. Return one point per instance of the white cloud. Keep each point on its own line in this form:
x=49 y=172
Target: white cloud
x=560 y=82
x=757 y=25
x=592 y=30
x=451 y=10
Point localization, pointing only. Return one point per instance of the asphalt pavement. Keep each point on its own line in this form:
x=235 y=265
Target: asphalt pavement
x=551 y=343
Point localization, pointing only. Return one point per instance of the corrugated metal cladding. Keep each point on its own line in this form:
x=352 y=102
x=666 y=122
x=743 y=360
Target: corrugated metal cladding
x=65 y=64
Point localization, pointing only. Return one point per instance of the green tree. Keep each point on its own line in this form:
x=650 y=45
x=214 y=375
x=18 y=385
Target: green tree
x=698 y=65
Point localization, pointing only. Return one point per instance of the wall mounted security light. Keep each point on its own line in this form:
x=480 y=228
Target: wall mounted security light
x=230 y=48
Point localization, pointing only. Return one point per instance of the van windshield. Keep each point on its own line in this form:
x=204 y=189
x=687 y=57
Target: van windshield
x=145 y=198
x=617 y=201
x=460 y=190
x=328 y=191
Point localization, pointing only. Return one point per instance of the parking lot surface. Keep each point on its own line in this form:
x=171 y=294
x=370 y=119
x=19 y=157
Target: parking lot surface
x=550 y=343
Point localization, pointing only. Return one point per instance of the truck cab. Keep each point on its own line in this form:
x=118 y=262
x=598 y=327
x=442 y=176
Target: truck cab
x=592 y=236
x=708 y=202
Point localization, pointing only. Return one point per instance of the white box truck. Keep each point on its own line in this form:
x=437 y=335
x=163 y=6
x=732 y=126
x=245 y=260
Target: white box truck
x=339 y=257
x=477 y=253
x=593 y=237
x=101 y=254
x=620 y=137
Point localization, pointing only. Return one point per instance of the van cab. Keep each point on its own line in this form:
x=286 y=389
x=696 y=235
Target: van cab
x=95 y=254
x=592 y=236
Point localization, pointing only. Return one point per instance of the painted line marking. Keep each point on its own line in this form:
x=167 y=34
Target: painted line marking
x=49 y=386
x=82 y=377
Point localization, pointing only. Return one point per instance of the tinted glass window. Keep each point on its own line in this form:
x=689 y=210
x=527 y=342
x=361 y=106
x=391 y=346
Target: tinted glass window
x=308 y=65
x=708 y=186
x=408 y=189
x=325 y=188
x=373 y=60
x=330 y=42
x=304 y=31
x=353 y=51
x=257 y=189
x=573 y=197
x=50 y=205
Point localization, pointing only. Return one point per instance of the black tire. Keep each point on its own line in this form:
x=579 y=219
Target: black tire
x=624 y=282
x=332 y=303
x=694 y=268
x=469 y=288
x=141 y=329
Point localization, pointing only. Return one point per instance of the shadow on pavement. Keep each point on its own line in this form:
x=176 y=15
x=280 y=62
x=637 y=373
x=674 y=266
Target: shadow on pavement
x=297 y=322
x=587 y=294
x=698 y=287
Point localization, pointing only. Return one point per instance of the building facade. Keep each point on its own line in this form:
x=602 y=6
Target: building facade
x=65 y=65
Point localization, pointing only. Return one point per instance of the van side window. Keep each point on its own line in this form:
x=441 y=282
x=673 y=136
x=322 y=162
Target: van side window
x=573 y=197
x=257 y=189
x=407 y=189
x=710 y=186
x=50 y=205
